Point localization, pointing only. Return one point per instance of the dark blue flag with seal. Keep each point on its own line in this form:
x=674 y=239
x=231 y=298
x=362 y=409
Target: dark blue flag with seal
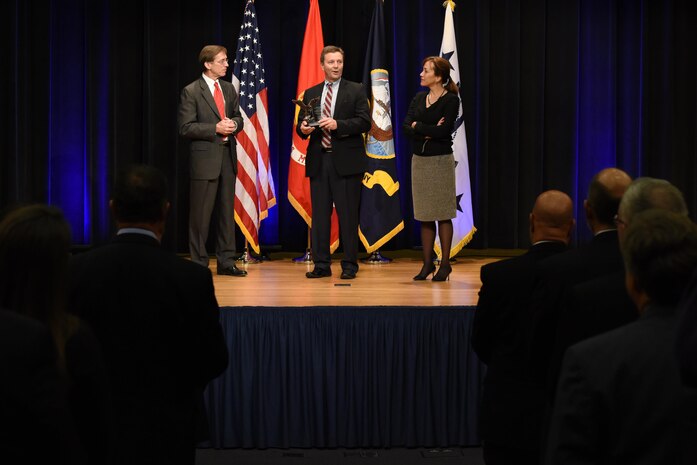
x=381 y=216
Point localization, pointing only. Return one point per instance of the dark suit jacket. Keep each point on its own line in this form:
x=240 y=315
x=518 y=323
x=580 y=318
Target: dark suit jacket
x=352 y=116
x=593 y=307
x=512 y=405
x=156 y=317
x=35 y=424
x=554 y=278
x=687 y=334
x=620 y=399
x=197 y=118
x=88 y=395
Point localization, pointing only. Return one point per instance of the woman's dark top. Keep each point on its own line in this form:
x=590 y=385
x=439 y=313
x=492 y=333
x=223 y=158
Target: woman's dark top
x=440 y=142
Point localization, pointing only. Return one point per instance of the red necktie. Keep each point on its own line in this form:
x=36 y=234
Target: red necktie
x=327 y=113
x=218 y=97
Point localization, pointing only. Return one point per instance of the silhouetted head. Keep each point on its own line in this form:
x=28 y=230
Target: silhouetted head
x=139 y=197
x=604 y=195
x=552 y=217
x=660 y=255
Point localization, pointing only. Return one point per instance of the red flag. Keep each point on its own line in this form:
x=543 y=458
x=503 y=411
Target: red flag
x=254 y=190
x=309 y=74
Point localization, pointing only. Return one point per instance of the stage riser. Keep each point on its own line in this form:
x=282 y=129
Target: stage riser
x=346 y=377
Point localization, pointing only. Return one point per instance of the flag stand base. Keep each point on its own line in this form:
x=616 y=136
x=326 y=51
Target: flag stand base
x=307 y=258
x=247 y=258
x=376 y=258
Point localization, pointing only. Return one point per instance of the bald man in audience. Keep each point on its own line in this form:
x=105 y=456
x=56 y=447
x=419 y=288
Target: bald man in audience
x=512 y=404
x=620 y=398
x=557 y=275
x=602 y=304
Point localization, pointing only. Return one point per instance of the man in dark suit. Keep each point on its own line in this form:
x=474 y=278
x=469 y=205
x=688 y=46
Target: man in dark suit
x=620 y=398
x=209 y=116
x=602 y=304
x=512 y=404
x=35 y=423
x=556 y=275
x=335 y=162
x=156 y=317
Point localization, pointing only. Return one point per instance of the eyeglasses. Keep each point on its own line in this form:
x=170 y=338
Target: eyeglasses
x=619 y=221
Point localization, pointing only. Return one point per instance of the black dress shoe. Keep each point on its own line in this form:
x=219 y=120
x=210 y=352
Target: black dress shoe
x=318 y=273
x=348 y=274
x=443 y=273
x=231 y=271
x=425 y=271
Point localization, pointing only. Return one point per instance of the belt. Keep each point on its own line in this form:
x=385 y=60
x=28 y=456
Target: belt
x=327 y=149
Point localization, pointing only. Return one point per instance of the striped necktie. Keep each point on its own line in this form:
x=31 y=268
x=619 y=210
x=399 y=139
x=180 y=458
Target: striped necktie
x=327 y=113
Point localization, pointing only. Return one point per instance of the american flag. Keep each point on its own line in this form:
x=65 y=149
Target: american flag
x=254 y=191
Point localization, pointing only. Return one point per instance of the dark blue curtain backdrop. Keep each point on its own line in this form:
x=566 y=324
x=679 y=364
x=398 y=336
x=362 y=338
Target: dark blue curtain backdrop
x=553 y=91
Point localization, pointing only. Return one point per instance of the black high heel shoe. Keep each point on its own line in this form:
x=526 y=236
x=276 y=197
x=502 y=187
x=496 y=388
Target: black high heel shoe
x=443 y=273
x=425 y=271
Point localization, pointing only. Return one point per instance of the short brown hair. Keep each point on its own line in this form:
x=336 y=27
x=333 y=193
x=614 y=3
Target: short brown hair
x=140 y=194
x=330 y=49
x=209 y=52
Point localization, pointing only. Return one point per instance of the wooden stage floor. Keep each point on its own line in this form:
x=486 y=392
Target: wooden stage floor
x=282 y=283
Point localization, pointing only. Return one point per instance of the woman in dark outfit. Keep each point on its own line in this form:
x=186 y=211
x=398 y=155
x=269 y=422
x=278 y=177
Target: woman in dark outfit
x=429 y=122
x=34 y=252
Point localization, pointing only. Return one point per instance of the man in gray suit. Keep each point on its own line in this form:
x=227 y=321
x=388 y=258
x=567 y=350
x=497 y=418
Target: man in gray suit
x=209 y=116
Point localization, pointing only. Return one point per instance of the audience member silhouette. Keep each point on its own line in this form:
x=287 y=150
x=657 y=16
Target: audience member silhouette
x=34 y=251
x=35 y=425
x=556 y=275
x=620 y=398
x=512 y=404
x=602 y=304
x=687 y=334
x=156 y=317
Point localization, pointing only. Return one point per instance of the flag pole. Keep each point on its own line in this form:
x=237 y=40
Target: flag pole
x=376 y=258
x=380 y=213
x=307 y=258
x=246 y=256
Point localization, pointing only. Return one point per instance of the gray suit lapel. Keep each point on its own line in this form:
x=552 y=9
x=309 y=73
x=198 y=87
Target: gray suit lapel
x=206 y=92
